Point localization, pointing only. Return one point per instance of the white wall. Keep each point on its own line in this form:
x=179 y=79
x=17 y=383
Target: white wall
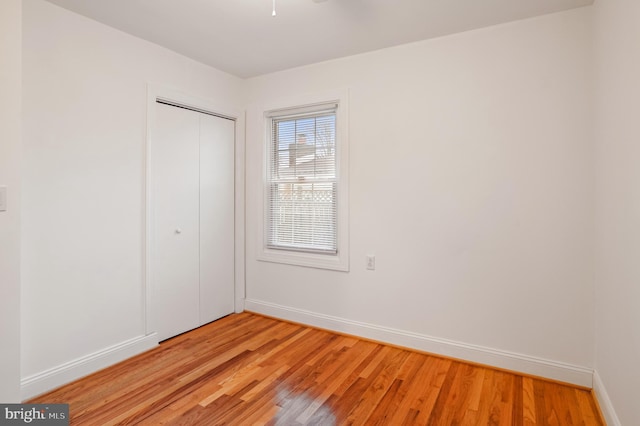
x=471 y=170
x=617 y=34
x=479 y=142
x=85 y=94
x=10 y=159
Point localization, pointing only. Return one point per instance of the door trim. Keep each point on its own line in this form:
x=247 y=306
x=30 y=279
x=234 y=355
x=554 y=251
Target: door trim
x=166 y=95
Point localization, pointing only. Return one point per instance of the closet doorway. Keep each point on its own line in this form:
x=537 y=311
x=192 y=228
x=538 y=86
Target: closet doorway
x=191 y=213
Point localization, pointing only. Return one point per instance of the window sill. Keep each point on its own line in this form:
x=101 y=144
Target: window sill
x=310 y=260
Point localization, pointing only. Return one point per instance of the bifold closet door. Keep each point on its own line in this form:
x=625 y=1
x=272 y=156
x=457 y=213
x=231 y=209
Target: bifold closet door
x=192 y=214
x=217 y=199
x=175 y=195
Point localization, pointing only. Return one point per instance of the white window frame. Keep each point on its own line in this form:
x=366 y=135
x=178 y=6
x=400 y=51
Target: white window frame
x=340 y=260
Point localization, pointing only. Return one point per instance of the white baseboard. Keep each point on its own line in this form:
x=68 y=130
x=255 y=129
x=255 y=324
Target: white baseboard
x=606 y=406
x=54 y=377
x=577 y=375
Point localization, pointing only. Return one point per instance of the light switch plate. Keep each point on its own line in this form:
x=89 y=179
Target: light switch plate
x=3 y=198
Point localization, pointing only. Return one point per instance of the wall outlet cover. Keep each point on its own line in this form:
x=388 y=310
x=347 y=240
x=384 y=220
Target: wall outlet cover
x=371 y=262
x=3 y=198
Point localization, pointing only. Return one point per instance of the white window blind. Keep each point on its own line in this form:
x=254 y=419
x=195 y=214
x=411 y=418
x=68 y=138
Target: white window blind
x=302 y=181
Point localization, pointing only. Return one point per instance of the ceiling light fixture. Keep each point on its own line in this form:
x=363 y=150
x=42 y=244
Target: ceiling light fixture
x=273 y=11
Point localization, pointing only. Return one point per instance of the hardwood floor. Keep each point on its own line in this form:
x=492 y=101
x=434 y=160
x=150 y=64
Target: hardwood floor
x=246 y=369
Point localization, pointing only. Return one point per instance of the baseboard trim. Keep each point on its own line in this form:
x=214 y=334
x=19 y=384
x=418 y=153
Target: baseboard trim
x=558 y=371
x=602 y=397
x=57 y=376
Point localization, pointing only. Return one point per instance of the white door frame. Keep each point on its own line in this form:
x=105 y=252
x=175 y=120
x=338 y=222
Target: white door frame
x=157 y=92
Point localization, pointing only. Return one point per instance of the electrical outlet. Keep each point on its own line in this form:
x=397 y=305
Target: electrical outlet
x=3 y=198
x=371 y=262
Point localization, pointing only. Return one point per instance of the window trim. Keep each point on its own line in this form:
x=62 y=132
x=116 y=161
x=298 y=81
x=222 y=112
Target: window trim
x=304 y=104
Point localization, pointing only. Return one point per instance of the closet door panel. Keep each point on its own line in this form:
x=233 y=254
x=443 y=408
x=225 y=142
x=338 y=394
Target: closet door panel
x=217 y=199
x=175 y=220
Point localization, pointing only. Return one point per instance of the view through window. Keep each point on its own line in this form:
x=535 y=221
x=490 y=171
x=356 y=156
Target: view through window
x=303 y=184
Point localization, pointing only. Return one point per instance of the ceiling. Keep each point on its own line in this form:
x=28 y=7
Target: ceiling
x=242 y=38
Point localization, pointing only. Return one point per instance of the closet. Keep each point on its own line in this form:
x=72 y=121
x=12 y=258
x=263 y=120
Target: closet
x=191 y=202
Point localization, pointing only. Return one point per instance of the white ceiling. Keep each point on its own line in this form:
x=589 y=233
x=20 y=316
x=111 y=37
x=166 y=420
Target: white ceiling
x=242 y=38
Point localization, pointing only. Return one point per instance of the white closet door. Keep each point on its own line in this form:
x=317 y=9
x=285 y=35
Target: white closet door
x=216 y=217
x=192 y=213
x=175 y=244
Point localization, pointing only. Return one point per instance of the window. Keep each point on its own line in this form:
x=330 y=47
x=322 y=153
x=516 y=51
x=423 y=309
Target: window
x=305 y=186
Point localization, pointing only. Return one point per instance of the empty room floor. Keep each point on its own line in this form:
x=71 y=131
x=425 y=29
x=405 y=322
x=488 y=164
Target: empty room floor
x=247 y=369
